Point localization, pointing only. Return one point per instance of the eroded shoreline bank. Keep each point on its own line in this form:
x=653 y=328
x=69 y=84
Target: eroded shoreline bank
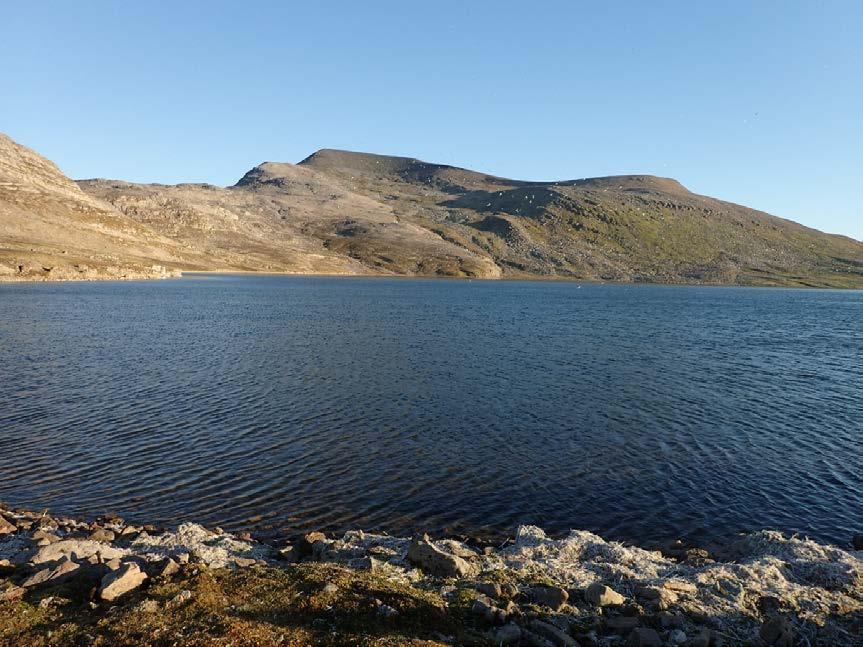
x=96 y=582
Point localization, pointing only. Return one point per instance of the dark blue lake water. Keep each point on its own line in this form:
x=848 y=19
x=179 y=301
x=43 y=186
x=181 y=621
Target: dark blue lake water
x=639 y=412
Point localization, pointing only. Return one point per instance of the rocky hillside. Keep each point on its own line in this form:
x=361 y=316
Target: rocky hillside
x=50 y=229
x=340 y=212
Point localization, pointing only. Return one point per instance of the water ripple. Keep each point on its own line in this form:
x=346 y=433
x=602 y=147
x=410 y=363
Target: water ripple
x=641 y=413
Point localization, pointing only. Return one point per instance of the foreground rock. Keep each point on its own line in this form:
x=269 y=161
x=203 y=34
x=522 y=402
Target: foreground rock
x=116 y=583
x=434 y=560
x=600 y=595
x=553 y=597
x=536 y=590
x=6 y=528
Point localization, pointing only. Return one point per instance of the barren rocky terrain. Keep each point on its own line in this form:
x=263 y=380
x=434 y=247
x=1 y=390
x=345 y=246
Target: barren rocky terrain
x=67 y=581
x=339 y=212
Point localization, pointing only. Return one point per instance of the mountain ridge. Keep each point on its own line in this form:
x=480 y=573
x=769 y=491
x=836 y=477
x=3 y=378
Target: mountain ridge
x=340 y=159
x=347 y=212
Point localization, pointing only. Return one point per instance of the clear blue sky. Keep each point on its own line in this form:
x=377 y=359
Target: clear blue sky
x=759 y=103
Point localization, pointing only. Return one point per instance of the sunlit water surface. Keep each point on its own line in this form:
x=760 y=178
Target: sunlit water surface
x=639 y=412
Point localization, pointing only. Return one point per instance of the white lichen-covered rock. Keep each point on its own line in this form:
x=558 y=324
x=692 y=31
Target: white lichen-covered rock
x=390 y=554
x=217 y=550
x=813 y=580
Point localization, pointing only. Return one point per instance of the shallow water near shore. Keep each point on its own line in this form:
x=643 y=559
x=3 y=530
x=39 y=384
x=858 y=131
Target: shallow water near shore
x=641 y=413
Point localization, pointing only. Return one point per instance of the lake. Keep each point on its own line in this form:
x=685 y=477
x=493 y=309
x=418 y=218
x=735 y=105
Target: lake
x=639 y=412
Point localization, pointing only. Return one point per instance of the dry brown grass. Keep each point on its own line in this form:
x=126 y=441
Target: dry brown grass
x=260 y=606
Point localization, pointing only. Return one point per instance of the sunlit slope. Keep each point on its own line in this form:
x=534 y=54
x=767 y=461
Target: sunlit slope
x=50 y=229
x=340 y=212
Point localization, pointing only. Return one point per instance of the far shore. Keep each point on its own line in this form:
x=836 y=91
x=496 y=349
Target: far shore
x=6 y=280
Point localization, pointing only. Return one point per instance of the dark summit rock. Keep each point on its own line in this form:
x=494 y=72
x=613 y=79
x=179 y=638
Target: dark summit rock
x=313 y=541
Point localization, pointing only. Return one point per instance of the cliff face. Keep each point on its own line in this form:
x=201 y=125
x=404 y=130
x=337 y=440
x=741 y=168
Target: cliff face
x=341 y=212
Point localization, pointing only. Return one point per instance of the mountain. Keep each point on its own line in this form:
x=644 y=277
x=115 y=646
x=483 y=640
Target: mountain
x=624 y=228
x=340 y=212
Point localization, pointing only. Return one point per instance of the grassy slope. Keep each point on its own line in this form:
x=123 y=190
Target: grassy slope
x=639 y=228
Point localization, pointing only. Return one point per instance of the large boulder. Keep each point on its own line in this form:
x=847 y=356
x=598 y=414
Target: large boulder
x=427 y=556
x=74 y=548
x=126 y=578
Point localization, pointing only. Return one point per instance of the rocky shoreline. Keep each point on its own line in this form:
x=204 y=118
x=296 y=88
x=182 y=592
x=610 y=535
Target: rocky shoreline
x=761 y=589
x=28 y=272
